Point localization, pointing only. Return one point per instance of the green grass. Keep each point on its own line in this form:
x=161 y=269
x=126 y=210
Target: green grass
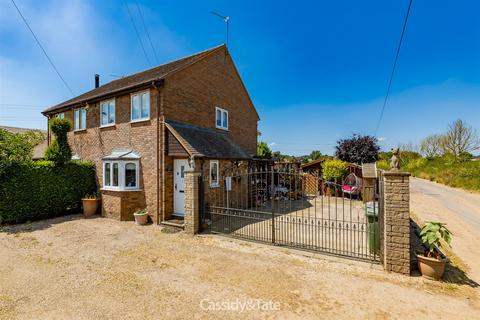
x=445 y=170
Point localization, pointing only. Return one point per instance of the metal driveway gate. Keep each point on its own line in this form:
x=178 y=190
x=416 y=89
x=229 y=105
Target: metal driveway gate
x=295 y=209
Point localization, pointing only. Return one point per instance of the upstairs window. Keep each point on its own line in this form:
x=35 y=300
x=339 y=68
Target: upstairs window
x=221 y=118
x=214 y=171
x=140 y=106
x=107 y=113
x=80 y=119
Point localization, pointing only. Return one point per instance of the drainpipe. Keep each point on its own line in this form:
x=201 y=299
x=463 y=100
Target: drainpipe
x=158 y=84
x=48 y=129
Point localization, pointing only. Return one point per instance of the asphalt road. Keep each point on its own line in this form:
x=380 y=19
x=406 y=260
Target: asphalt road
x=459 y=209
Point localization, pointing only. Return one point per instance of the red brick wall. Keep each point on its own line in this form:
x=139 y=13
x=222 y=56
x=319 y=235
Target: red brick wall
x=192 y=94
x=94 y=143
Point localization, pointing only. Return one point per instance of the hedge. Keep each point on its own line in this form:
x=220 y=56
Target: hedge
x=39 y=190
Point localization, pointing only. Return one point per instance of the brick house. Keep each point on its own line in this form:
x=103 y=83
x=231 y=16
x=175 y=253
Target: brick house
x=145 y=130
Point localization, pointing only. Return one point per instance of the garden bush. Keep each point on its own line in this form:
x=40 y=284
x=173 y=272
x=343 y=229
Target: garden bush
x=59 y=150
x=39 y=190
x=334 y=170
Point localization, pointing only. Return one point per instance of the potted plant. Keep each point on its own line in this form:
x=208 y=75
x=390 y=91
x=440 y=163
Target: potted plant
x=431 y=263
x=141 y=217
x=90 y=204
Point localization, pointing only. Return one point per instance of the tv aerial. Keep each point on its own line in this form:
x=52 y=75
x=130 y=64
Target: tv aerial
x=225 y=19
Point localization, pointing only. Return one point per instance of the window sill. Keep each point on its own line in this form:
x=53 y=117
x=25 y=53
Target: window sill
x=80 y=130
x=222 y=128
x=212 y=186
x=108 y=125
x=140 y=120
x=119 y=190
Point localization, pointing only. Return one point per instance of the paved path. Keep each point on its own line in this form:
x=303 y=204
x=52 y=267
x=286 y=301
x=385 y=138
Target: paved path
x=459 y=209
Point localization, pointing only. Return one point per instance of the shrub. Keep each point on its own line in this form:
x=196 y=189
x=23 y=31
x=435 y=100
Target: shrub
x=263 y=150
x=414 y=164
x=39 y=190
x=358 y=149
x=432 y=233
x=383 y=164
x=19 y=146
x=334 y=170
x=59 y=150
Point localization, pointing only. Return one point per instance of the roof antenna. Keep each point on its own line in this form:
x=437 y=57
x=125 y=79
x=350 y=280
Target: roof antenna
x=225 y=19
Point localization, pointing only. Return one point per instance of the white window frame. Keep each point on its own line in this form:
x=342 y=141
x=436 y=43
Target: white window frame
x=223 y=113
x=139 y=94
x=214 y=184
x=121 y=175
x=108 y=124
x=82 y=125
x=60 y=115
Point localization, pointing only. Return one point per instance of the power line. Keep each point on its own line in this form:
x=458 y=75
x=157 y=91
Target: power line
x=138 y=34
x=41 y=47
x=21 y=105
x=394 y=66
x=146 y=31
x=302 y=144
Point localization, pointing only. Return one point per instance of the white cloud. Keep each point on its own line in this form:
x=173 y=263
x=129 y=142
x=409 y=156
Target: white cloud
x=81 y=39
x=382 y=138
x=272 y=144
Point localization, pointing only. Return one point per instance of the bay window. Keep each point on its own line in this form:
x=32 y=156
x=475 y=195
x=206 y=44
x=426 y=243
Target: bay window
x=121 y=171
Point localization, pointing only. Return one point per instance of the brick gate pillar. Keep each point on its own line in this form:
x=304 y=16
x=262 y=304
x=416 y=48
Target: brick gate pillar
x=396 y=222
x=191 y=219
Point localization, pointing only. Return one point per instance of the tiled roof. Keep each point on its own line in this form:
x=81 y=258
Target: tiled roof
x=133 y=80
x=206 y=143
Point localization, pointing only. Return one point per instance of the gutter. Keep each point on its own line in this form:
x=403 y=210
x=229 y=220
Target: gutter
x=48 y=129
x=98 y=98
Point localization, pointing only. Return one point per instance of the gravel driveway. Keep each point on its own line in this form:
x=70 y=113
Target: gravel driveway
x=459 y=209
x=75 y=268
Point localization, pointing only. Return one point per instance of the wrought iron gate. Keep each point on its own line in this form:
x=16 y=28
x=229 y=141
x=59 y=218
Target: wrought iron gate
x=294 y=209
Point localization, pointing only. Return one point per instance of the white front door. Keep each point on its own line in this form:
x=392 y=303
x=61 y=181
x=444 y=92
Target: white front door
x=179 y=167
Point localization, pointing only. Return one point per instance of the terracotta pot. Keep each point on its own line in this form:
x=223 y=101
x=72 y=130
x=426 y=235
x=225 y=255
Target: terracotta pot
x=141 y=219
x=431 y=268
x=90 y=207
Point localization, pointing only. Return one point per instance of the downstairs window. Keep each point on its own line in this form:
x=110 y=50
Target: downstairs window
x=121 y=171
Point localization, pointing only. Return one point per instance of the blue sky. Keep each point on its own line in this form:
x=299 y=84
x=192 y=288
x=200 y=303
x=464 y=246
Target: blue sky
x=317 y=71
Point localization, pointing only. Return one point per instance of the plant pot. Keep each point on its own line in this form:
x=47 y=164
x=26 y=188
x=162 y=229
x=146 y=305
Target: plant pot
x=90 y=207
x=141 y=219
x=431 y=268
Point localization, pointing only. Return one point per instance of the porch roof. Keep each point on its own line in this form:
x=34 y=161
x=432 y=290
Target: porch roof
x=122 y=154
x=205 y=143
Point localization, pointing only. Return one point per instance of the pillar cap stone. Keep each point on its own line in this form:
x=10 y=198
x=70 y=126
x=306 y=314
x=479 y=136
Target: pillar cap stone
x=396 y=173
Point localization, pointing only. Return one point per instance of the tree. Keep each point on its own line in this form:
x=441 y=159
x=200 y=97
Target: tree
x=59 y=151
x=358 y=149
x=460 y=138
x=263 y=150
x=19 y=146
x=315 y=155
x=408 y=147
x=431 y=146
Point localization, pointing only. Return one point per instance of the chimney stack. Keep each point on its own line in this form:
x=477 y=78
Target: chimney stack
x=97 y=80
